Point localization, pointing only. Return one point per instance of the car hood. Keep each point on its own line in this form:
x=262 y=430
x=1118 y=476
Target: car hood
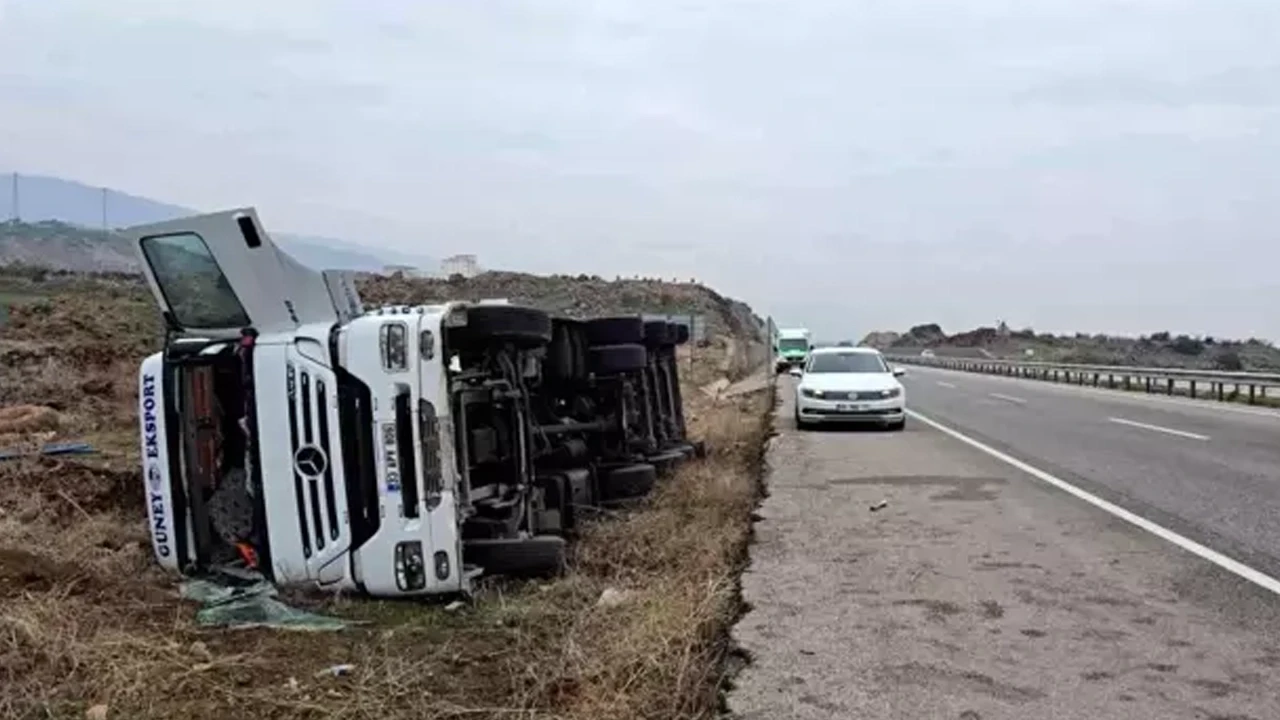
x=850 y=381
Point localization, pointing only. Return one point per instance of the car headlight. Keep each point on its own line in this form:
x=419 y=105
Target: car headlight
x=810 y=393
x=891 y=393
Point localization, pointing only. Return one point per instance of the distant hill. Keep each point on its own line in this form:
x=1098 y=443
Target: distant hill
x=1159 y=349
x=63 y=246
x=76 y=211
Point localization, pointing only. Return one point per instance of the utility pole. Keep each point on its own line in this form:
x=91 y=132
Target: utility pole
x=17 y=216
x=104 y=209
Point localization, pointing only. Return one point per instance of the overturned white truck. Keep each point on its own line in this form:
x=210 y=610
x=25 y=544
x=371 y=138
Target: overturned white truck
x=285 y=428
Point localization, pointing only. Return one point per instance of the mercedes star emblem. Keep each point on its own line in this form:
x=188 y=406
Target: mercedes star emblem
x=310 y=461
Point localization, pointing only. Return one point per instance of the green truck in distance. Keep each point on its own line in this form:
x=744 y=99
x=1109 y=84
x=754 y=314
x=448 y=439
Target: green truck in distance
x=791 y=347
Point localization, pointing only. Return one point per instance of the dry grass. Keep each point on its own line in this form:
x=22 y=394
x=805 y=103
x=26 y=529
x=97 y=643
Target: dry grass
x=86 y=620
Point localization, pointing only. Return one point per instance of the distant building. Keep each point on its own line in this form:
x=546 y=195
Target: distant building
x=464 y=265
x=406 y=270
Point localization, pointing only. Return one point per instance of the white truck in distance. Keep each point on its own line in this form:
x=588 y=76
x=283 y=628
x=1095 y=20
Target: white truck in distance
x=792 y=347
x=286 y=429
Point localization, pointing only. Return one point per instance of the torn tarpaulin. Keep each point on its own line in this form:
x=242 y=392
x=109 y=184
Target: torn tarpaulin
x=245 y=599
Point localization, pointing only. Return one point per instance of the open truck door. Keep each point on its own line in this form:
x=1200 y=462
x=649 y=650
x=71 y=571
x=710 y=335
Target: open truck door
x=216 y=274
x=221 y=411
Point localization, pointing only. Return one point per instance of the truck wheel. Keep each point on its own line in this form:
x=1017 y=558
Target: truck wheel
x=537 y=556
x=614 y=359
x=523 y=326
x=682 y=333
x=620 y=330
x=657 y=333
x=628 y=481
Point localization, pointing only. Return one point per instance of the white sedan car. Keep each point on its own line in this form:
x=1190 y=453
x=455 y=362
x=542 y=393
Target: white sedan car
x=849 y=385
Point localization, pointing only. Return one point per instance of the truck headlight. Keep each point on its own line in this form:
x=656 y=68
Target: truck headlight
x=891 y=393
x=411 y=573
x=810 y=393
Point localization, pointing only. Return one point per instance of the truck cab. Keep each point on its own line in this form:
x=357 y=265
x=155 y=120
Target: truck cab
x=792 y=348
x=285 y=428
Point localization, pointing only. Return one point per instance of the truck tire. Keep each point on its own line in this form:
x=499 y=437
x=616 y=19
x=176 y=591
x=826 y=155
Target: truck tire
x=628 y=482
x=620 y=330
x=657 y=333
x=682 y=333
x=537 y=556
x=486 y=324
x=615 y=359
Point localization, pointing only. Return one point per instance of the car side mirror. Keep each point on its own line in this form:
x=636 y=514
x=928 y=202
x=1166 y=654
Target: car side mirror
x=899 y=372
x=796 y=372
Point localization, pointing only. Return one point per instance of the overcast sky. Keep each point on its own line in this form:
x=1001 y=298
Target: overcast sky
x=849 y=165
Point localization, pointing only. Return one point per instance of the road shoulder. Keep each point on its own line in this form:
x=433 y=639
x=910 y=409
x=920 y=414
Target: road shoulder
x=977 y=593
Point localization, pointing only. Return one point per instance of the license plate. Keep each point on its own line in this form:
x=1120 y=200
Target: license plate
x=850 y=407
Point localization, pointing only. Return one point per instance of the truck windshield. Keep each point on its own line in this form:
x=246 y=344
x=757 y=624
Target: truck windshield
x=194 y=287
x=846 y=363
x=793 y=344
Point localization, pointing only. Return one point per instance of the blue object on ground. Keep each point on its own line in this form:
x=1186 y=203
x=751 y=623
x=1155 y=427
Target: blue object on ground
x=67 y=448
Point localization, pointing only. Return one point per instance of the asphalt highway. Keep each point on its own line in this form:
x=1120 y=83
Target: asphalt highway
x=1021 y=550
x=1208 y=471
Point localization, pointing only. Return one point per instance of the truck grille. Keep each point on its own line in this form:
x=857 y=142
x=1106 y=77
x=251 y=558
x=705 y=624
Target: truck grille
x=313 y=460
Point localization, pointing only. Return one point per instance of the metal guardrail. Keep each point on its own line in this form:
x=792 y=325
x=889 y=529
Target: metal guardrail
x=1250 y=387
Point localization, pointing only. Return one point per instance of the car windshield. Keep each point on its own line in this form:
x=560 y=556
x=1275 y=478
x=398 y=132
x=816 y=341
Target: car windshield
x=793 y=344
x=846 y=363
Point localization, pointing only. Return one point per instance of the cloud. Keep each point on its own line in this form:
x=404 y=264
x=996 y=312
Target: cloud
x=844 y=165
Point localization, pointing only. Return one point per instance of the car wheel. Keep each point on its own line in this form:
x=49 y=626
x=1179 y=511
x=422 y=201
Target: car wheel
x=898 y=426
x=801 y=424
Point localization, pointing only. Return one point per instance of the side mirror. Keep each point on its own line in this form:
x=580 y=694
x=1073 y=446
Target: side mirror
x=796 y=371
x=899 y=372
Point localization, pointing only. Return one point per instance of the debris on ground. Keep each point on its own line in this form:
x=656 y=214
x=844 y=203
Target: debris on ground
x=232 y=602
x=49 y=450
x=612 y=597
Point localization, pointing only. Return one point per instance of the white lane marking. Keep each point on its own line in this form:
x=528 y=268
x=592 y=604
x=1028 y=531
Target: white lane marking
x=945 y=384
x=1232 y=566
x=1009 y=398
x=1158 y=428
x=1136 y=396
